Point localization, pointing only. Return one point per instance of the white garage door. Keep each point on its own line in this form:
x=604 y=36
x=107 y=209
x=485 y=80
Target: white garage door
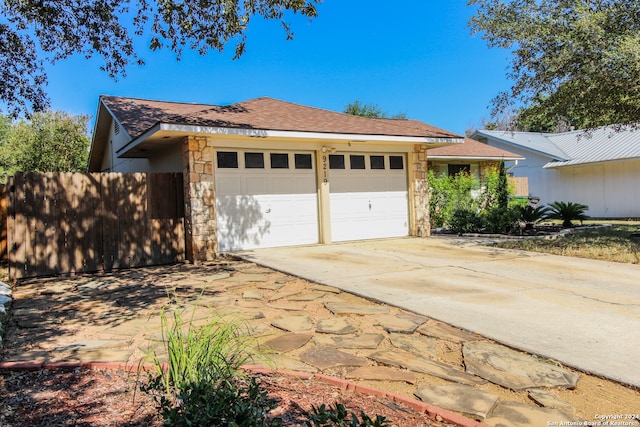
x=265 y=199
x=368 y=196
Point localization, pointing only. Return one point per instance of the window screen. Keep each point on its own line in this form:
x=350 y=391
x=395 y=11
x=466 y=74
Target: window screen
x=279 y=161
x=227 y=160
x=357 y=161
x=454 y=170
x=336 y=161
x=377 y=162
x=254 y=160
x=303 y=161
x=396 y=162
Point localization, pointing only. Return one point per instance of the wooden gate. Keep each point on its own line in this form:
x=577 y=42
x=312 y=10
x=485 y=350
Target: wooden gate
x=62 y=223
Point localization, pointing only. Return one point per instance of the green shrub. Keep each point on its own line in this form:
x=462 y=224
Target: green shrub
x=466 y=221
x=567 y=212
x=338 y=416
x=502 y=221
x=452 y=202
x=447 y=193
x=231 y=402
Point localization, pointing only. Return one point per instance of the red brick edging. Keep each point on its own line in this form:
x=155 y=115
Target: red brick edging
x=416 y=405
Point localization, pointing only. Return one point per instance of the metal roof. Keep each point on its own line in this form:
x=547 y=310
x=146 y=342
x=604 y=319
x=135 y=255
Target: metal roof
x=600 y=145
x=532 y=141
x=576 y=147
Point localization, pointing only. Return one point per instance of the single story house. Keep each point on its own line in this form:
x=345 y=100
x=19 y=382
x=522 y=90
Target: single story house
x=475 y=158
x=599 y=168
x=265 y=172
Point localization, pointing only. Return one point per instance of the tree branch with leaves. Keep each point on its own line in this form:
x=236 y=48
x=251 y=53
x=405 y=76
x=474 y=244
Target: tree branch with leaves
x=574 y=59
x=36 y=32
x=49 y=141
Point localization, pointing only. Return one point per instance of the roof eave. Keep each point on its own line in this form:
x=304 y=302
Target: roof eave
x=453 y=157
x=556 y=165
x=516 y=145
x=100 y=137
x=183 y=130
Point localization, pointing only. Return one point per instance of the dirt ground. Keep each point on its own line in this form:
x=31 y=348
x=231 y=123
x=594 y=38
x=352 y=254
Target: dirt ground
x=593 y=395
x=83 y=397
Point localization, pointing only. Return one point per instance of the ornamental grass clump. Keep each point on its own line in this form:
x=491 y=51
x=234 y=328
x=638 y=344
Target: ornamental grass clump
x=198 y=382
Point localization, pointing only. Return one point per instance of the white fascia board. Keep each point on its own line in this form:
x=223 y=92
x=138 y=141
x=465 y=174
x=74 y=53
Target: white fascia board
x=132 y=143
x=115 y=118
x=472 y=158
x=104 y=110
x=262 y=133
x=515 y=144
x=582 y=162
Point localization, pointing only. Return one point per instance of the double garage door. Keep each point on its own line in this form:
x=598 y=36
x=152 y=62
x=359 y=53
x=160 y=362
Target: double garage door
x=270 y=198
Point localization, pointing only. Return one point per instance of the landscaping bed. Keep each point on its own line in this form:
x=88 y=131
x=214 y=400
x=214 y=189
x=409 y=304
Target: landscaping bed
x=86 y=397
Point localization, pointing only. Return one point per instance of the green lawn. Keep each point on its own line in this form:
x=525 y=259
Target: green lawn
x=618 y=243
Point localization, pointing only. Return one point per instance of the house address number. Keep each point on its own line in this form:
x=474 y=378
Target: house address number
x=325 y=169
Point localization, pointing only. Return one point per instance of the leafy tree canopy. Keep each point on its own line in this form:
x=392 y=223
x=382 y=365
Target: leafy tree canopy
x=372 y=110
x=48 y=142
x=35 y=32
x=572 y=59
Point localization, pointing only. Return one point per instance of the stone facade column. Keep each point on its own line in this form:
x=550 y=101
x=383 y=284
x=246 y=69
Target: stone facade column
x=422 y=224
x=200 y=200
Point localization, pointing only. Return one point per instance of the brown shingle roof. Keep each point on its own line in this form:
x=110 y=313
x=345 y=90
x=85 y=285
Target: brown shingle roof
x=138 y=115
x=472 y=148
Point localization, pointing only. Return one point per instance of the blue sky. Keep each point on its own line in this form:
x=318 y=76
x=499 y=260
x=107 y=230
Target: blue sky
x=414 y=56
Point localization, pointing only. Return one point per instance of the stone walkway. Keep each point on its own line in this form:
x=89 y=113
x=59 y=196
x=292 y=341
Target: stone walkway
x=298 y=326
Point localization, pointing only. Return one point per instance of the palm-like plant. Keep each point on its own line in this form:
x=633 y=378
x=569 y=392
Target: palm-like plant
x=531 y=216
x=567 y=212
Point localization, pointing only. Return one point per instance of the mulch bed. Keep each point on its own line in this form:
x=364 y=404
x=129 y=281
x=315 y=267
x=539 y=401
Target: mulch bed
x=87 y=397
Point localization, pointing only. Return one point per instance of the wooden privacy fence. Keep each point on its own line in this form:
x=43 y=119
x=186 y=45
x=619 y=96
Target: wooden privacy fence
x=78 y=223
x=521 y=185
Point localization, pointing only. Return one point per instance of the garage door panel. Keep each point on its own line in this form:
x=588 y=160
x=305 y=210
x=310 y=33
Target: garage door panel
x=300 y=184
x=353 y=183
x=228 y=186
x=397 y=183
x=369 y=203
x=256 y=185
x=266 y=221
x=258 y=208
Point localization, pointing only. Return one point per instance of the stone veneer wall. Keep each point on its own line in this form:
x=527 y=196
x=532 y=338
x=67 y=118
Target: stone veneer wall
x=199 y=197
x=485 y=165
x=421 y=191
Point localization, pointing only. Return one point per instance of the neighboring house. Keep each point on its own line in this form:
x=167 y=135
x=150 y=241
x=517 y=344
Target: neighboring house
x=599 y=168
x=475 y=158
x=265 y=172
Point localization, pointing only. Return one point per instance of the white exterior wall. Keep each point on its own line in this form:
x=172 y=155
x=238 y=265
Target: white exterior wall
x=132 y=165
x=168 y=160
x=542 y=183
x=611 y=190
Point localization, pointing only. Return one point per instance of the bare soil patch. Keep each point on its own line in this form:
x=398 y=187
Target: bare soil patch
x=84 y=397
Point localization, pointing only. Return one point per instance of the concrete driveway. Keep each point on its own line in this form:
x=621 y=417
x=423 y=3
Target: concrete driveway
x=583 y=313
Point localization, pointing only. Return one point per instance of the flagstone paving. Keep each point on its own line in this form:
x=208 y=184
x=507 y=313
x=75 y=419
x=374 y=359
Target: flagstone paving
x=513 y=369
x=297 y=325
x=337 y=326
x=461 y=398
